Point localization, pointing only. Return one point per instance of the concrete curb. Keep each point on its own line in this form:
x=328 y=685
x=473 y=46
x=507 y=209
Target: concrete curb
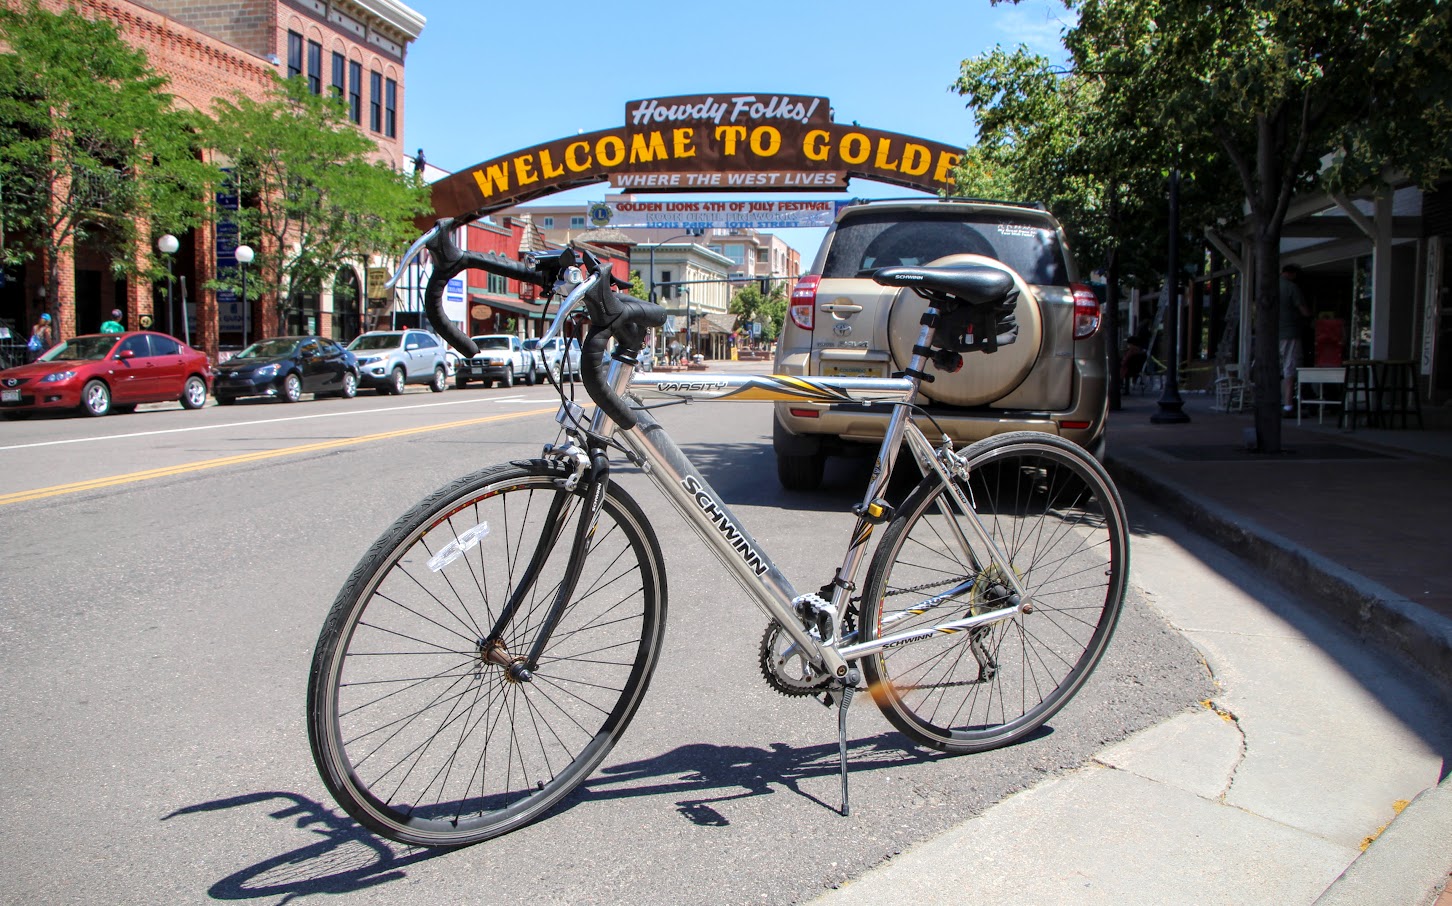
x=1408 y=863
x=1373 y=610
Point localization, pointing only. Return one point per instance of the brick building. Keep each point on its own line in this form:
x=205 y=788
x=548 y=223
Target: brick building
x=211 y=49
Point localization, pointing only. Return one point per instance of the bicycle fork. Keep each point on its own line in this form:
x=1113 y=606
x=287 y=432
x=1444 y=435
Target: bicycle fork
x=593 y=469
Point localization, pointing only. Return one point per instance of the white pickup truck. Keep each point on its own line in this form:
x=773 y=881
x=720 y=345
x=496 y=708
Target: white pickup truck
x=501 y=359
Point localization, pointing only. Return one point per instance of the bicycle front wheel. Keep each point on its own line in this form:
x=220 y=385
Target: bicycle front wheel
x=418 y=725
x=1054 y=514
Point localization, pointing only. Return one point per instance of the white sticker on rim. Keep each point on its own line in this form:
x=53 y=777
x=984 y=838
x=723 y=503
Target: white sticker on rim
x=455 y=549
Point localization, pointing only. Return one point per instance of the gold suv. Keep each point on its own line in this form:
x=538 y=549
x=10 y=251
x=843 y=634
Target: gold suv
x=840 y=322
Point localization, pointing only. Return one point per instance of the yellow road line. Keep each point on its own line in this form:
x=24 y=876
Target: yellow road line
x=166 y=471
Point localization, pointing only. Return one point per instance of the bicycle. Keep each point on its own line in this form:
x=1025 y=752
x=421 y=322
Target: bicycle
x=493 y=644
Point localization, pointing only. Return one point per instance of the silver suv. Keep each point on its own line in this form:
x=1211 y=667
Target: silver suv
x=842 y=323
x=389 y=359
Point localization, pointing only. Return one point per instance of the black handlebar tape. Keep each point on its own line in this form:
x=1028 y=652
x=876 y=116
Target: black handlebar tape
x=448 y=261
x=625 y=318
x=592 y=374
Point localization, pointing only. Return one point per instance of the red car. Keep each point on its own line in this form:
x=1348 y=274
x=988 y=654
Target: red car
x=101 y=372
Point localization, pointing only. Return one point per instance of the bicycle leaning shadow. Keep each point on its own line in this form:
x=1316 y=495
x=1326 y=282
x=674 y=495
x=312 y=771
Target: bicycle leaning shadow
x=344 y=857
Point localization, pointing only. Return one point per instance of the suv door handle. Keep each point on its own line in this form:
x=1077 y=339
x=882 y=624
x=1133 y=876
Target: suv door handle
x=850 y=308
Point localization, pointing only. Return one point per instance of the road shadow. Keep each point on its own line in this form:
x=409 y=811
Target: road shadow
x=706 y=774
x=342 y=858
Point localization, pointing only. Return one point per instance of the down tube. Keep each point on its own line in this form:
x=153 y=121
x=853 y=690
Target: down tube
x=704 y=510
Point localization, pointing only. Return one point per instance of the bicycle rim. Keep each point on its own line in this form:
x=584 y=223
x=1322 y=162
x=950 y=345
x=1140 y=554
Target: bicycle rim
x=417 y=729
x=1052 y=511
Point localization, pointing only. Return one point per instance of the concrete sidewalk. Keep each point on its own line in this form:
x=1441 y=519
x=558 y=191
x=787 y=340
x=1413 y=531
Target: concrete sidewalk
x=1330 y=733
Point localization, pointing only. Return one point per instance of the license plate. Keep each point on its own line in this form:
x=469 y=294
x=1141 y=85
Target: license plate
x=9 y=396
x=854 y=369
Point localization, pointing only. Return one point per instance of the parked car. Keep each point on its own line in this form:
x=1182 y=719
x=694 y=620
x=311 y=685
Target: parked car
x=285 y=368
x=536 y=357
x=501 y=359
x=98 y=373
x=842 y=323
x=550 y=353
x=390 y=359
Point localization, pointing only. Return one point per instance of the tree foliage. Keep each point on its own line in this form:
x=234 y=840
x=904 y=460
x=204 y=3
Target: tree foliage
x=90 y=142
x=312 y=193
x=1272 y=97
x=769 y=310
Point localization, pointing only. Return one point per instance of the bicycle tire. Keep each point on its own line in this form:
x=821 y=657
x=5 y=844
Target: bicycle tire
x=419 y=736
x=1053 y=511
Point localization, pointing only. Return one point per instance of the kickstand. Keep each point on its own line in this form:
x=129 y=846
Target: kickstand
x=847 y=692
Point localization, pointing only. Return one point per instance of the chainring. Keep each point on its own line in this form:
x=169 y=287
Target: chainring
x=789 y=671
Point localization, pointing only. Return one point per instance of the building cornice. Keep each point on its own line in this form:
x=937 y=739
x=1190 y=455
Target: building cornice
x=406 y=20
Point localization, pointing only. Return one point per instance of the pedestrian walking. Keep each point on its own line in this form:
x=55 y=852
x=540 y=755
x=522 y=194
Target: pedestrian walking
x=41 y=337
x=114 y=325
x=1293 y=316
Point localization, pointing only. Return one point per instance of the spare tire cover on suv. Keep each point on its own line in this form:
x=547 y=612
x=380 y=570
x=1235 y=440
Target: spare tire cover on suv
x=984 y=377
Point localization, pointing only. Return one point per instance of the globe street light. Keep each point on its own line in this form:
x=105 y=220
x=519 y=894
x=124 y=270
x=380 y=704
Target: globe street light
x=244 y=255
x=168 y=245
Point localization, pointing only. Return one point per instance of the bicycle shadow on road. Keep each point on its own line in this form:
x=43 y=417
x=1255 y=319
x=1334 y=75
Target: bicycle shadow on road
x=707 y=774
x=343 y=857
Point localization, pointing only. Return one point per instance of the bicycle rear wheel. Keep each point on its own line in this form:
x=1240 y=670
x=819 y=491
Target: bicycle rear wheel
x=1052 y=510
x=418 y=728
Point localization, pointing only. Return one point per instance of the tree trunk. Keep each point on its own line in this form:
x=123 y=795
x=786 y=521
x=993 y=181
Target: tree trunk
x=1266 y=347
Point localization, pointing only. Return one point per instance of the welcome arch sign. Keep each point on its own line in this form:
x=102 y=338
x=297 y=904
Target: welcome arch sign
x=741 y=142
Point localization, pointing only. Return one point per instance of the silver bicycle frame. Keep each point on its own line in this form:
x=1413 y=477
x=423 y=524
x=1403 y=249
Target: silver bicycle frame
x=745 y=558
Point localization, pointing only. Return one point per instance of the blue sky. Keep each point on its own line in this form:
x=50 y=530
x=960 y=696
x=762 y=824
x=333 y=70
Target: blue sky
x=485 y=79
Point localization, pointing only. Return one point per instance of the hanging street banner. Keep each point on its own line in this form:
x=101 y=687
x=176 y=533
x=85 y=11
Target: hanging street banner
x=746 y=142
x=706 y=215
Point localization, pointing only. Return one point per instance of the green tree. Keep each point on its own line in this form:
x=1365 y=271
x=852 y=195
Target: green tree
x=750 y=306
x=1060 y=137
x=313 y=194
x=90 y=142
x=1296 y=94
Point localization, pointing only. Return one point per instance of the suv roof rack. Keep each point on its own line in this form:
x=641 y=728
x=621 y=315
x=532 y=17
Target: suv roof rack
x=1030 y=205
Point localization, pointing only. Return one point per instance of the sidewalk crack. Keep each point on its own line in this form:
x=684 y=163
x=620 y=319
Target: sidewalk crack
x=1229 y=717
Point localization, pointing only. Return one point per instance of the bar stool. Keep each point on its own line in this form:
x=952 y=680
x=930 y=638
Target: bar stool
x=1360 y=398
x=1397 y=395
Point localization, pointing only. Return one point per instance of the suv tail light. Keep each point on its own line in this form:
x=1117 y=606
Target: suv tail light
x=804 y=301
x=1086 y=311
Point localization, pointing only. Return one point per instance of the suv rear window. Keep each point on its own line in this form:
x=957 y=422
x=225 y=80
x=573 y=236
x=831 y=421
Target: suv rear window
x=890 y=238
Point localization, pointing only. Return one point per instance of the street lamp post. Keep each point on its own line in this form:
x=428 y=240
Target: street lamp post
x=244 y=255
x=690 y=345
x=168 y=246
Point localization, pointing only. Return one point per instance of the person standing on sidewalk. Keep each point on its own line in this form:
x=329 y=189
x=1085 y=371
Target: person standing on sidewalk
x=1293 y=315
x=41 y=337
x=114 y=325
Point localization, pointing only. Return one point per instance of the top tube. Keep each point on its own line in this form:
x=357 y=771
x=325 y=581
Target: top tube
x=772 y=387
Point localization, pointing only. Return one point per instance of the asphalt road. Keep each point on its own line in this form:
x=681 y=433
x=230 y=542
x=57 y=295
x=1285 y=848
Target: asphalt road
x=165 y=576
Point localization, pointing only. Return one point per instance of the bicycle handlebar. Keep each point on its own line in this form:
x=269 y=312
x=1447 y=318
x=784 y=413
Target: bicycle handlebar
x=611 y=314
